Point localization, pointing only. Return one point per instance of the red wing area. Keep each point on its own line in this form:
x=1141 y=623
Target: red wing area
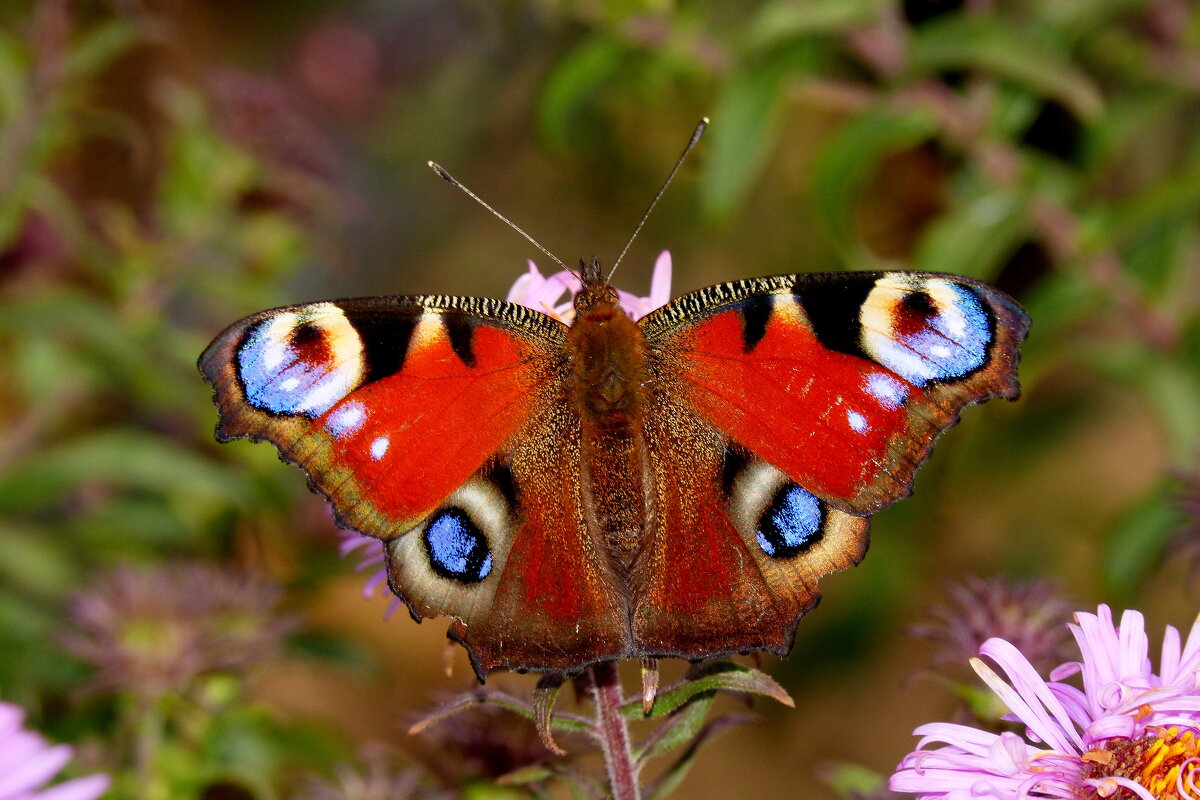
x=557 y=603
x=695 y=586
x=807 y=410
x=843 y=380
x=411 y=438
x=388 y=404
x=703 y=584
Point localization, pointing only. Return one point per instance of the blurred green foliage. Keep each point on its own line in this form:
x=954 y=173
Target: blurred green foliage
x=168 y=168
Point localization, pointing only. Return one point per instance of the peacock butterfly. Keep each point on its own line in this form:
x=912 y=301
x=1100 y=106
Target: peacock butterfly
x=674 y=486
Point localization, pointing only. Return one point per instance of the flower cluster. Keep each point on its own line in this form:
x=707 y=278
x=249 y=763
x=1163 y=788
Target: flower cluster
x=28 y=762
x=1027 y=614
x=150 y=631
x=378 y=777
x=1129 y=732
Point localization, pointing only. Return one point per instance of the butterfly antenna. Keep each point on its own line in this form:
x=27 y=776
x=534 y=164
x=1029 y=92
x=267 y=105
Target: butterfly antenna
x=696 y=134
x=450 y=179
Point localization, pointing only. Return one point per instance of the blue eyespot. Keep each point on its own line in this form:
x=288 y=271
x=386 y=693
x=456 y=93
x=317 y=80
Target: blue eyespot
x=933 y=330
x=275 y=380
x=456 y=547
x=791 y=524
x=299 y=362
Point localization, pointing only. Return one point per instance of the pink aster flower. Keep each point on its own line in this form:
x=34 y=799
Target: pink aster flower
x=541 y=293
x=28 y=762
x=1129 y=733
x=546 y=294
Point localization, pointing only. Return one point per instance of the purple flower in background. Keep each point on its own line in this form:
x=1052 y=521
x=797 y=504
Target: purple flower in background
x=377 y=777
x=156 y=630
x=541 y=293
x=371 y=560
x=28 y=762
x=1030 y=615
x=1129 y=733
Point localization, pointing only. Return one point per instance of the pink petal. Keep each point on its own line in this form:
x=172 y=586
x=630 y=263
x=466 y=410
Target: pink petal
x=88 y=788
x=660 y=281
x=35 y=770
x=19 y=747
x=1135 y=646
x=11 y=718
x=1028 y=696
x=1107 y=787
x=374 y=582
x=526 y=285
x=1168 y=665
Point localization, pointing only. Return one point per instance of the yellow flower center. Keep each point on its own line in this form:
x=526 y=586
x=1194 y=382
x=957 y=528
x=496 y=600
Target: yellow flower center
x=1165 y=761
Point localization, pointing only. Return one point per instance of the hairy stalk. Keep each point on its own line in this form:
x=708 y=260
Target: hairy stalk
x=618 y=757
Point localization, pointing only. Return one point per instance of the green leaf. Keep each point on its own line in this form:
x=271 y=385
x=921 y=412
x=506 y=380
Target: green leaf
x=34 y=560
x=491 y=791
x=14 y=71
x=100 y=45
x=975 y=237
x=526 y=775
x=1136 y=543
x=849 y=159
x=778 y=21
x=677 y=729
x=1174 y=387
x=580 y=785
x=126 y=458
x=1174 y=198
x=714 y=677
x=852 y=780
x=744 y=124
x=983 y=42
x=562 y=722
x=81 y=322
x=574 y=85
x=350 y=655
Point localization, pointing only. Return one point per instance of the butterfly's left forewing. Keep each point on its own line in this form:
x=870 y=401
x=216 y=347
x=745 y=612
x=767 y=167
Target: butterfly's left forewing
x=786 y=411
x=389 y=403
x=438 y=425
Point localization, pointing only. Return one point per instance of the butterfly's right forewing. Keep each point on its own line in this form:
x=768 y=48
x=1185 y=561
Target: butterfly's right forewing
x=786 y=411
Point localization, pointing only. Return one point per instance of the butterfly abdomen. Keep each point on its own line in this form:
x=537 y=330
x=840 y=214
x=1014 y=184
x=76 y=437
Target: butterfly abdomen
x=607 y=352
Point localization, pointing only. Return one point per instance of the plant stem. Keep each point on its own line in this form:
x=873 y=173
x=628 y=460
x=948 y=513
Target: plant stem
x=148 y=735
x=618 y=757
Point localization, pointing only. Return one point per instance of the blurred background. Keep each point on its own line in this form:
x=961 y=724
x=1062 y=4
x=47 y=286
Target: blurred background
x=178 y=610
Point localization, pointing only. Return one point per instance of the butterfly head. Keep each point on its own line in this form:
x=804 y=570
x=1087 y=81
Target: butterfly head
x=595 y=294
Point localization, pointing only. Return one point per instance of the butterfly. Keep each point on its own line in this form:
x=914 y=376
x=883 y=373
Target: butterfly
x=671 y=487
